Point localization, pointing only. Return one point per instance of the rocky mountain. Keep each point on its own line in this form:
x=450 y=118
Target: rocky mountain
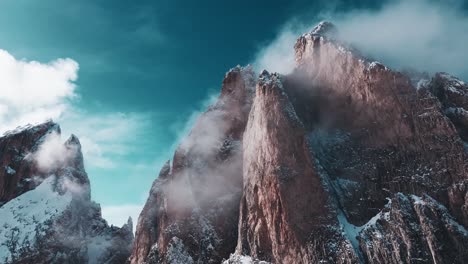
x=46 y=212
x=342 y=161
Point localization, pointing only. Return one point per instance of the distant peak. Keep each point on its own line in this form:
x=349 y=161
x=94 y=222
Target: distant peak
x=73 y=141
x=129 y=224
x=325 y=28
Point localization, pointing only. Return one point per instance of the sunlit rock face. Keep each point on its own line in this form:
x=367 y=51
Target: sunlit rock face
x=342 y=161
x=285 y=211
x=46 y=214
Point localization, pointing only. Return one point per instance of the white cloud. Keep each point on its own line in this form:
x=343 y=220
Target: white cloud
x=106 y=136
x=420 y=34
x=32 y=91
x=117 y=215
x=53 y=153
x=278 y=56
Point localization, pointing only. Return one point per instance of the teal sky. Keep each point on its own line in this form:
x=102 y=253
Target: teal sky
x=153 y=64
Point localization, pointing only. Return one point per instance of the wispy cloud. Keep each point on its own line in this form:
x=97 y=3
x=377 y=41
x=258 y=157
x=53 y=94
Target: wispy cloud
x=278 y=55
x=53 y=153
x=107 y=137
x=426 y=35
x=420 y=34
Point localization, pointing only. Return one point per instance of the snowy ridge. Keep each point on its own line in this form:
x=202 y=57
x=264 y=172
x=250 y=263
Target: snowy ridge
x=352 y=232
x=30 y=128
x=25 y=219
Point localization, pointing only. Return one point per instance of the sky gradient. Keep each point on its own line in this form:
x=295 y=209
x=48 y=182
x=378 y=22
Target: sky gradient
x=147 y=68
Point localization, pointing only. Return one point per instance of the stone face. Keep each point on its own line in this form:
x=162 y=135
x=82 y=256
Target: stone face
x=453 y=95
x=342 y=161
x=373 y=128
x=281 y=184
x=193 y=209
x=15 y=172
x=47 y=215
x=412 y=229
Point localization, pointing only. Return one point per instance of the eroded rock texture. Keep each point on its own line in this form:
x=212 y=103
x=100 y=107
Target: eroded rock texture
x=280 y=184
x=342 y=161
x=193 y=209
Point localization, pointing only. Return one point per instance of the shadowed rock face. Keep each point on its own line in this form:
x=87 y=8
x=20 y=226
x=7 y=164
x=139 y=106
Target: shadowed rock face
x=46 y=214
x=15 y=172
x=342 y=161
x=193 y=209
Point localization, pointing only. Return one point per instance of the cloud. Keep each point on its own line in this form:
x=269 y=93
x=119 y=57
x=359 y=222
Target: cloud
x=107 y=137
x=117 y=215
x=182 y=128
x=53 y=153
x=420 y=34
x=31 y=91
x=278 y=56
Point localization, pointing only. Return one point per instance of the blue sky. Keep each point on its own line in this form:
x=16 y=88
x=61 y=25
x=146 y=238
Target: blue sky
x=145 y=69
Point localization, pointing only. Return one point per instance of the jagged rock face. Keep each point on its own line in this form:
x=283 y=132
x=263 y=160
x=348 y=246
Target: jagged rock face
x=193 y=207
x=285 y=211
x=411 y=229
x=453 y=94
x=16 y=173
x=48 y=216
x=373 y=131
x=313 y=166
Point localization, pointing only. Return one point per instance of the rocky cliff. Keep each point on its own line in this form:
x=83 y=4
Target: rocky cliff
x=46 y=212
x=192 y=212
x=342 y=161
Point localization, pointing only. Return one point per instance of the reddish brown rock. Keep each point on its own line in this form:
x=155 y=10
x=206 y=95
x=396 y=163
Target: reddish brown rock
x=412 y=229
x=375 y=132
x=286 y=215
x=16 y=173
x=321 y=152
x=193 y=209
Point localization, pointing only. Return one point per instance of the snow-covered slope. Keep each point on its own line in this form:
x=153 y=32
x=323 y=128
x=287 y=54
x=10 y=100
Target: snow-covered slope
x=26 y=219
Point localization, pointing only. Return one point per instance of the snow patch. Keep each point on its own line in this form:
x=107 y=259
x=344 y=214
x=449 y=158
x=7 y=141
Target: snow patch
x=241 y=259
x=177 y=253
x=25 y=219
x=352 y=232
x=9 y=170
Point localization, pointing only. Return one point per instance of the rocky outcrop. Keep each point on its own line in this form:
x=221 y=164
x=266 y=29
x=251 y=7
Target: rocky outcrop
x=412 y=229
x=313 y=159
x=16 y=173
x=453 y=95
x=373 y=128
x=286 y=215
x=192 y=211
x=47 y=215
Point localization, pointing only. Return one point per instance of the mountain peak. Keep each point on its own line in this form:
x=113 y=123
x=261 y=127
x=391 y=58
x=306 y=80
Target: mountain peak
x=325 y=28
x=73 y=141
